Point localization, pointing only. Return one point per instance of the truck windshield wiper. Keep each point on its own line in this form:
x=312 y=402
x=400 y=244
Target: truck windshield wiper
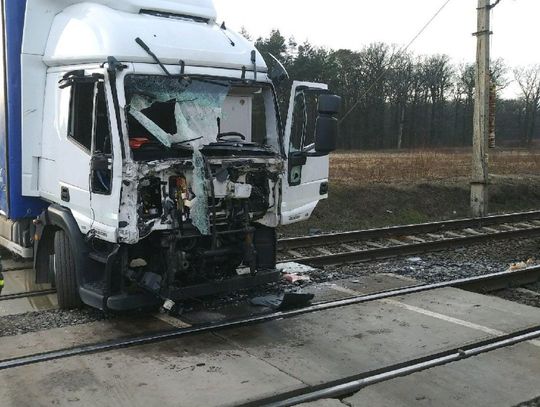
x=181 y=143
x=154 y=56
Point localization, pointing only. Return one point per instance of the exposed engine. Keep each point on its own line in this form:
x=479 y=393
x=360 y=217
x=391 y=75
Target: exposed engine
x=200 y=221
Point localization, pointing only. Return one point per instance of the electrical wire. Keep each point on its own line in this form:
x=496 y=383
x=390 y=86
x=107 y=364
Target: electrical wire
x=491 y=7
x=401 y=51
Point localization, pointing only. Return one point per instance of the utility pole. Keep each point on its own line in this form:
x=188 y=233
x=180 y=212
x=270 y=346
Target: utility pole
x=480 y=173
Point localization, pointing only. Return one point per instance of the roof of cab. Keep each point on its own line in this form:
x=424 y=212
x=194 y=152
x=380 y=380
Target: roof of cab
x=90 y=32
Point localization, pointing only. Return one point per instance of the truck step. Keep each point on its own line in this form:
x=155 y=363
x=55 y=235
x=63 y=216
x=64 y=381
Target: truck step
x=91 y=297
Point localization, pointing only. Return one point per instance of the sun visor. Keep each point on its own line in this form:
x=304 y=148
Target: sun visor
x=196 y=8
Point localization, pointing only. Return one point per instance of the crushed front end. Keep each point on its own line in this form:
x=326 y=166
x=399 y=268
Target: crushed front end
x=201 y=195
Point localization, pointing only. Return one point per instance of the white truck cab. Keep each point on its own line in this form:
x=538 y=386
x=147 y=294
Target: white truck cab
x=157 y=152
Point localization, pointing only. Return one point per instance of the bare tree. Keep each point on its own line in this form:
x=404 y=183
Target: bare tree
x=244 y=32
x=400 y=87
x=393 y=98
x=528 y=79
x=498 y=73
x=465 y=83
x=375 y=60
x=438 y=78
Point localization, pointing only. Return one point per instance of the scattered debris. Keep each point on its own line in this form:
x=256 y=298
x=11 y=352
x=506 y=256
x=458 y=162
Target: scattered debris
x=283 y=302
x=243 y=271
x=295 y=273
x=293 y=267
x=270 y=301
x=294 y=278
x=521 y=265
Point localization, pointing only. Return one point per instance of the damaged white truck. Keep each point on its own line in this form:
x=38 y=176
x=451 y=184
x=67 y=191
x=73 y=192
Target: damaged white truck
x=143 y=158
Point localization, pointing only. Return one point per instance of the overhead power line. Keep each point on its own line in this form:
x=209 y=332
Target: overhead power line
x=401 y=51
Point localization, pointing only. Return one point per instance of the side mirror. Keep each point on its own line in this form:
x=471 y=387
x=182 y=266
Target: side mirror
x=326 y=128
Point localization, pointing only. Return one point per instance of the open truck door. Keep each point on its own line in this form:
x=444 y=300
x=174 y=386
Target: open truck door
x=310 y=136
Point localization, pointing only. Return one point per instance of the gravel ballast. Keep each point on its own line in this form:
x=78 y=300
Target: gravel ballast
x=43 y=320
x=532 y=403
x=446 y=265
x=529 y=295
x=429 y=267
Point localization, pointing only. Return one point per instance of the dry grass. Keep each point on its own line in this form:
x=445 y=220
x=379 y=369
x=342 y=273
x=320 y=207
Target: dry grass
x=382 y=188
x=354 y=168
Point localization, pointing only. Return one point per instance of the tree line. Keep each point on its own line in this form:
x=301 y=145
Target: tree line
x=395 y=99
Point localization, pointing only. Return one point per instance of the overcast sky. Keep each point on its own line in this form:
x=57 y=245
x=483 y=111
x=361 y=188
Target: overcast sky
x=355 y=23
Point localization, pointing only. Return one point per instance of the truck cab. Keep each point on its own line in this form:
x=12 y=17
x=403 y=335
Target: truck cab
x=154 y=163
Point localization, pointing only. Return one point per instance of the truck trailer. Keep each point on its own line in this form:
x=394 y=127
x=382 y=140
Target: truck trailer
x=143 y=159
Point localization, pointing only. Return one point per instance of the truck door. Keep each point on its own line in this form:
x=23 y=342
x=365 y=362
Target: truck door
x=74 y=152
x=105 y=167
x=87 y=180
x=307 y=174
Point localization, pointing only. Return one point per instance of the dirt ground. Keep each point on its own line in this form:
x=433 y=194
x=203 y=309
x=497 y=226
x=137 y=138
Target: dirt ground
x=378 y=189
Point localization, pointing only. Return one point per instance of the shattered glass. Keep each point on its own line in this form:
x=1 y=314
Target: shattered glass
x=153 y=128
x=198 y=105
x=199 y=210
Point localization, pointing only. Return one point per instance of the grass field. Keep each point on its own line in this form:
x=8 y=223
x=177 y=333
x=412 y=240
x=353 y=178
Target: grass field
x=375 y=189
x=426 y=165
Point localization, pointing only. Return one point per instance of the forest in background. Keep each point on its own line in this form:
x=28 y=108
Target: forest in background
x=402 y=100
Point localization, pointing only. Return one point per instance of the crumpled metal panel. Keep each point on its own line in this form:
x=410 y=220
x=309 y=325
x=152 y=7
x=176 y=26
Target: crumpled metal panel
x=200 y=216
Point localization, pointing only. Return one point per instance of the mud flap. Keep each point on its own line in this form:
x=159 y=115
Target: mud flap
x=265 y=242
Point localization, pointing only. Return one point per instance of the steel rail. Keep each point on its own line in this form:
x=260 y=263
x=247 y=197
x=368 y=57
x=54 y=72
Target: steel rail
x=347 y=237
x=503 y=279
x=29 y=294
x=18 y=268
x=414 y=248
x=353 y=384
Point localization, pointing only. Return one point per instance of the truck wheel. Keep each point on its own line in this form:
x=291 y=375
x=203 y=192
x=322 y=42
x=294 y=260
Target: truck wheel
x=52 y=271
x=64 y=269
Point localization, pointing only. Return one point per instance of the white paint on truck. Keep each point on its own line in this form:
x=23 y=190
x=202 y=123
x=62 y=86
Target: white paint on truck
x=154 y=135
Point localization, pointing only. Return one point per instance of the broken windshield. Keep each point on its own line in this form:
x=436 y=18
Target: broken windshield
x=174 y=111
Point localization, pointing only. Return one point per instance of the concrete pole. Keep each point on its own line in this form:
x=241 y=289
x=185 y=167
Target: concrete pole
x=480 y=173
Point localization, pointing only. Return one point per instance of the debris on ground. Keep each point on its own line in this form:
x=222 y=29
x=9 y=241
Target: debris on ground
x=283 y=302
x=293 y=267
x=521 y=265
x=295 y=273
x=296 y=278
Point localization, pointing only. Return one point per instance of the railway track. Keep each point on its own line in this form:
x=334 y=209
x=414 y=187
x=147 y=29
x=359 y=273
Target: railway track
x=480 y=284
x=350 y=385
x=365 y=245
x=29 y=294
x=373 y=244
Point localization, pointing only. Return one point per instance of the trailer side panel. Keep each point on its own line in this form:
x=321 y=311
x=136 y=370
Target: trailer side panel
x=12 y=203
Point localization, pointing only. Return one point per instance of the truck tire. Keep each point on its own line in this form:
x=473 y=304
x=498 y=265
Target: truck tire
x=52 y=272
x=64 y=269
